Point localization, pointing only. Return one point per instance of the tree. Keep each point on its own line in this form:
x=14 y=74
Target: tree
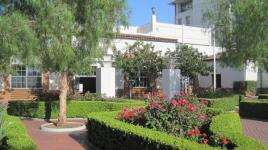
x=243 y=31
x=17 y=42
x=139 y=58
x=189 y=61
x=72 y=34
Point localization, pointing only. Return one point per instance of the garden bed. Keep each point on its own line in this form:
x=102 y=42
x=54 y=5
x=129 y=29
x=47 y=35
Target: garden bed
x=254 y=109
x=107 y=132
x=75 y=109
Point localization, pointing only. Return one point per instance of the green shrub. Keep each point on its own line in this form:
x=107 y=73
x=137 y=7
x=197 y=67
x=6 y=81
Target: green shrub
x=106 y=132
x=245 y=87
x=263 y=96
x=49 y=109
x=226 y=103
x=229 y=126
x=2 y=119
x=211 y=112
x=210 y=93
x=254 y=108
x=16 y=135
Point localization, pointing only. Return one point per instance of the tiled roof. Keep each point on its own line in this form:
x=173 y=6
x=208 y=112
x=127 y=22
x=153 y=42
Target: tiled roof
x=139 y=37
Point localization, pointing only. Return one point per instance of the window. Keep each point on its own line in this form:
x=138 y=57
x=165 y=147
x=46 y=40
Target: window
x=179 y=21
x=26 y=77
x=188 y=20
x=186 y=6
x=140 y=81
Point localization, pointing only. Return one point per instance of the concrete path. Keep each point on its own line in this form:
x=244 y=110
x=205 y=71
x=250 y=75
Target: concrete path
x=57 y=141
x=257 y=129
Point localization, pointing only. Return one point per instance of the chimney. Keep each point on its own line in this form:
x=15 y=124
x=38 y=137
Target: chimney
x=154 y=19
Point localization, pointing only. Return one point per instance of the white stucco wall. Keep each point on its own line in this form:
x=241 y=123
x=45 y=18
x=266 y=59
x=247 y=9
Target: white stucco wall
x=228 y=76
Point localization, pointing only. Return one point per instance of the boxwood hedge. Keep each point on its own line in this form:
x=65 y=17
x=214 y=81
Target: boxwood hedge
x=226 y=103
x=263 y=96
x=75 y=109
x=16 y=137
x=108 y=133
x=254 y=109
x=229 y=126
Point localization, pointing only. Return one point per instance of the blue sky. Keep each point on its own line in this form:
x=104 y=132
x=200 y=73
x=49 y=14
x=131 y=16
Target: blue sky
x=141 y=11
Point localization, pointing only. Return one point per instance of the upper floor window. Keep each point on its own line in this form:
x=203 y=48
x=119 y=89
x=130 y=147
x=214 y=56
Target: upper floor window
x=179 y=21
x=188 y=20
x=186 y=6
x=26 y=77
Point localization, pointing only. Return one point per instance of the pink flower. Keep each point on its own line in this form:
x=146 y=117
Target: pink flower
x=163 y=97
x=205 y=135
x=160 y=106
x=205 y=117
x=197 y=131
x=125 y=109
x=166 y=110
x=141 y=109
x=182 y=102
x=205 y=141
x=173 y=102
x=224 y=141
x=152 y=103
x=191 y=108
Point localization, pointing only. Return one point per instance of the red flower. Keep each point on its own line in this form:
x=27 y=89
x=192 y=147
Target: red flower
x=206 y=102
x=163 y=97
x=182 y=102
x=205 y=141
x=173 y=102
x=141 y=109
x=183 y=93
x=224 y=141
x=205 y=135
x=166 y=110
x=191 y=108
x=160 y=106
x=197 y=131
x=191 y=133
x=152 y=103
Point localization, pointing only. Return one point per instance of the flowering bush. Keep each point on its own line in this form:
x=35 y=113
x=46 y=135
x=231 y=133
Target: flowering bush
x=184 y=116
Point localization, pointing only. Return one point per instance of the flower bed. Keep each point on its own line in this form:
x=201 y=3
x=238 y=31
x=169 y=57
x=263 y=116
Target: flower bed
x=41 y=109
x=16 y=137
x=183 y=116
x=254 y=109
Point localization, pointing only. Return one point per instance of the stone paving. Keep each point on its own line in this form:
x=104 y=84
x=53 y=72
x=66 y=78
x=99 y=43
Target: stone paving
x=57 y=141
x=257 y=129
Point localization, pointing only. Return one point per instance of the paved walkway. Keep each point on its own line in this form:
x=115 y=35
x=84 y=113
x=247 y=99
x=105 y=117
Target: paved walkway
x=57 y=141
x=257 y=129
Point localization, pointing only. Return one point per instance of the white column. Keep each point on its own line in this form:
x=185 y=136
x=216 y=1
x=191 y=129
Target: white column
x=105 y=82
x=171 y=82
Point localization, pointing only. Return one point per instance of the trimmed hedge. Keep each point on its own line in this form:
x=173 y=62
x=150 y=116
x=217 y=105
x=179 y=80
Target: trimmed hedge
x=75 y=109
x=229 y=126
x=106 y=132
x=16 y=135
x=254 y=109
x=225 y=103
x=245 y=87
x=263 y=96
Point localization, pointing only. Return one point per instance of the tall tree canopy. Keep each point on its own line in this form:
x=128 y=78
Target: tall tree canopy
x=189 y=61
x=139 y=58
x=243 y=30
x=72 y=34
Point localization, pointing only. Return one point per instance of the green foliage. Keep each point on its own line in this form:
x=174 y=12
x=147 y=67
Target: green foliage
x=49 y=109
x=243 y=32
x=106 y=132
x=225 y=103
x=245 y=87
x=16 y=135
x=229 y=126
x=210 y=93
x=211 y=112
x=254 y=108
x=139 y=58
x=189 y=61
x=17 y=41
x=263 y=96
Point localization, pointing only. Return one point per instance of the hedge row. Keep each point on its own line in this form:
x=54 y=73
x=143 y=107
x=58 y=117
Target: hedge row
x=75 y=109
x=106 y=132
x=229 y=126
x=16 y=137
x=254 y=109
x=225 y=103
x=263 y=96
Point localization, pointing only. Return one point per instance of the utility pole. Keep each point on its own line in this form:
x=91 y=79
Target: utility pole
x=214 y=59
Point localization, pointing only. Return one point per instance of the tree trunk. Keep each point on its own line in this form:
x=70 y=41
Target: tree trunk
x=63 y=96
x=126 y=88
